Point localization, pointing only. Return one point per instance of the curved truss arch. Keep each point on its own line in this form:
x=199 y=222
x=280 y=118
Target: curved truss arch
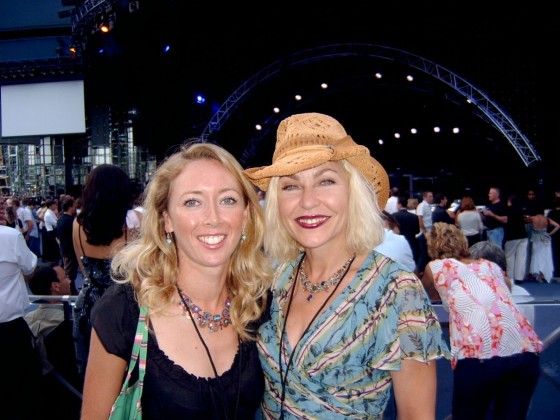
x=484 y=107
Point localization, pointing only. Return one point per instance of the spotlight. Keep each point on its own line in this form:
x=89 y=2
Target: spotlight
x=108 y=23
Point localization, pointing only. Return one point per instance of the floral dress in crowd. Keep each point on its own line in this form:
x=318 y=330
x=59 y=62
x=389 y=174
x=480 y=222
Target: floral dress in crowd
x=484 y=321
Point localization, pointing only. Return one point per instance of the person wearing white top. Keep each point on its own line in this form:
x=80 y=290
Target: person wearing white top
x=424 y=213
x=51 y=250
x=396 y=246
x=21 y=365
x=391 y=206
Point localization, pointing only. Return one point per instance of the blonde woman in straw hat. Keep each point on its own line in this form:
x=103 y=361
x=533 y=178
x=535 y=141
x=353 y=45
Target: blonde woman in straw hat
x=347 y=323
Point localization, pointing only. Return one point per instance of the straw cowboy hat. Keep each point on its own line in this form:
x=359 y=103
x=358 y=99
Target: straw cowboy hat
x=304 y=141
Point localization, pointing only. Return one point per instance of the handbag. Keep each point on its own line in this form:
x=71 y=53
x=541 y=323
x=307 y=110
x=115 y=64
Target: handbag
x=128 y=404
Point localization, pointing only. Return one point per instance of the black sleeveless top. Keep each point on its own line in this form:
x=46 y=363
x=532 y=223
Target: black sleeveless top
x=170 y=392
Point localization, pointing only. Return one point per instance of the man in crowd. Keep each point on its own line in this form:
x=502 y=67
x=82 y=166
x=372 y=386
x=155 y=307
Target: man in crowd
x=408 y=225
x=424 y=213
x=492 y=215
x=64 y=235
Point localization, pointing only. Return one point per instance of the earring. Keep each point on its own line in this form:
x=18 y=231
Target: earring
x=169 y=238
x=243 y=235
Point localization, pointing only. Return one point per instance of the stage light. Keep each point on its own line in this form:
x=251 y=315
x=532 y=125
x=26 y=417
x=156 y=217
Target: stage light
x=200 y=99
x=107 y=23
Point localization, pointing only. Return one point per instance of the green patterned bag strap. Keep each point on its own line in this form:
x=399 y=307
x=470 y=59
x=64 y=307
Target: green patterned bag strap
x=139 y=350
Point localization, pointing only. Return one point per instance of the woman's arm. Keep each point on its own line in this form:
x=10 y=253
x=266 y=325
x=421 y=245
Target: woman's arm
x=104 y=378
x=415 y=387
x=428 y=283
x=555 y=226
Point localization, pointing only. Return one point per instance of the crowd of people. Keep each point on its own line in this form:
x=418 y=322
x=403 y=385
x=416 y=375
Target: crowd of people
x=300 y=289
x=528 y=236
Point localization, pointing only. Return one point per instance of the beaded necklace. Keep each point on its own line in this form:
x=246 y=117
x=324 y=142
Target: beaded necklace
x=324 y=285
x=206 y=319
x=188 y=307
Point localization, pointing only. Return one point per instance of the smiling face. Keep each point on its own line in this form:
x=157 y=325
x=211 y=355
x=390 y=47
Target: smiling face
x=206 y=212
x=313 y=205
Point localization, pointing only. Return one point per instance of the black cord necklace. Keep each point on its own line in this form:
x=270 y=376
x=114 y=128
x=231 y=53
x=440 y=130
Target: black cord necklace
x=187 y=307
x=284 y=376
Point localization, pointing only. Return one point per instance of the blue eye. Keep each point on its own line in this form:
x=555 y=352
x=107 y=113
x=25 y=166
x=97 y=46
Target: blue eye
x=191 y=202
x=229 y=201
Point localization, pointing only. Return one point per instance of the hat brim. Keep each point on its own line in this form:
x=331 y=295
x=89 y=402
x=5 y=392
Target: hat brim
x=295 y=161
x=308 y=157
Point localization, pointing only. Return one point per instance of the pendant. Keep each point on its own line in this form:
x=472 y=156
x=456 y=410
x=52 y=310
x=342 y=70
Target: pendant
x=309 y=298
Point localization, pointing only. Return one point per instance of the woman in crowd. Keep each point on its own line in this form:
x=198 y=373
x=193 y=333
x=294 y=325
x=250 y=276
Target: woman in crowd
x=493 y=345
x=469 y=221
x=199 y=254
x=99 y=231
x=541 y=265
x=347 y=323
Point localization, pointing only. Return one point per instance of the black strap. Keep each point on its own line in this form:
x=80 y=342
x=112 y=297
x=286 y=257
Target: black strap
x=283 y=378
x=212 y=361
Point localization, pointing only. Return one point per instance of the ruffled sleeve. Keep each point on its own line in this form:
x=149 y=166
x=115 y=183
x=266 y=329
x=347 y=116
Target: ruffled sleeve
x=114 y=318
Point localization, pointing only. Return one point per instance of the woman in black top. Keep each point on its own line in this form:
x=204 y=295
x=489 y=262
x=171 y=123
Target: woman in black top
x=199 y=269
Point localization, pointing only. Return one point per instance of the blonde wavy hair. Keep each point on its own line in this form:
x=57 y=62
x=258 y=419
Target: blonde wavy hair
x=150 y=264
x=447 y=241
x=364 y=230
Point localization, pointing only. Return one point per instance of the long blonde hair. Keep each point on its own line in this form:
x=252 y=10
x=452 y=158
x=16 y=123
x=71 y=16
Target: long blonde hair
x=150 y=264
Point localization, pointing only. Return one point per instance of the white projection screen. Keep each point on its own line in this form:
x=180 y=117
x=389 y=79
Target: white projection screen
x=43 y=109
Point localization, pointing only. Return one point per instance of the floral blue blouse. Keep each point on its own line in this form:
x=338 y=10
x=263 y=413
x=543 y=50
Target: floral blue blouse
x=342 y=365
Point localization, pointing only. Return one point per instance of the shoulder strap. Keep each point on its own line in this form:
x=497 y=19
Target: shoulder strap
x=139 y=350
